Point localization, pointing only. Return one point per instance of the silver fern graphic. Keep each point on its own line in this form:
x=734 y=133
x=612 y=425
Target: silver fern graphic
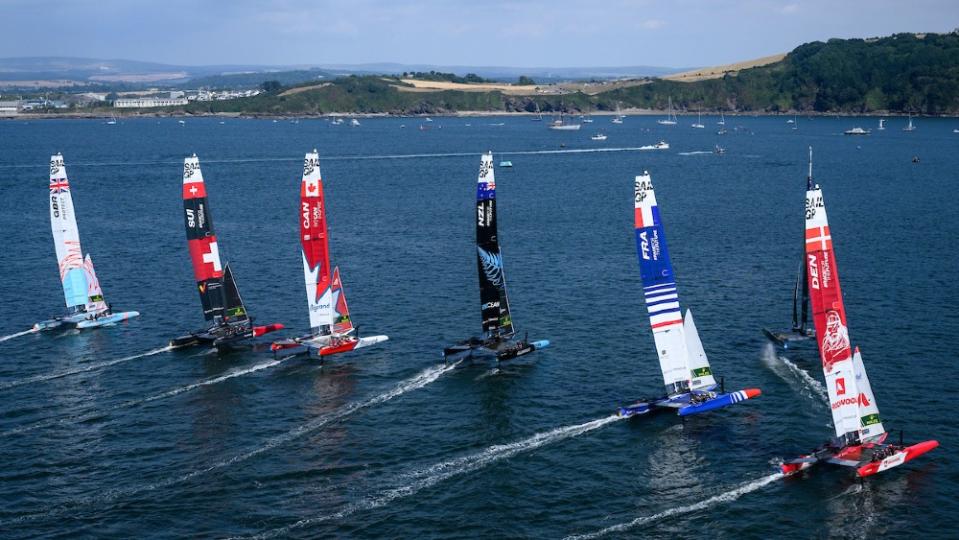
x=492 y=266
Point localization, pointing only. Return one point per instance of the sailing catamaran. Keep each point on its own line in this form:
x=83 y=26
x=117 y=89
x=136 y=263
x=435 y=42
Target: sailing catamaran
x=231 y=326
x=86 y=307
x=690 y=385
x=860 y=435
x=498 y=332
x=331 y=329
x=801 y=330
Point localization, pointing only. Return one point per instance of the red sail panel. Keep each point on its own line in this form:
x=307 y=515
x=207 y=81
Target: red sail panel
x=829 y=315
x=341 y=312
x=314 y=240
x=204 y=250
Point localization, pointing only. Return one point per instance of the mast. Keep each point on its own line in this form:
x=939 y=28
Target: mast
x=659 y=289
x=829 y=315
x=204 y=250
x=314 y=240
x=66 y=237
x=494 y=302
x=800 y=321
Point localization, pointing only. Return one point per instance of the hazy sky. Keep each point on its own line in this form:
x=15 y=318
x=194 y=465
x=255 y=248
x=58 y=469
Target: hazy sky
x=676 y=33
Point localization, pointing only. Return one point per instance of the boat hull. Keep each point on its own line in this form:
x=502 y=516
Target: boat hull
x=224 y=338
x=687 y=405
x=113 y=318
x=867 y=458
x=785 y=338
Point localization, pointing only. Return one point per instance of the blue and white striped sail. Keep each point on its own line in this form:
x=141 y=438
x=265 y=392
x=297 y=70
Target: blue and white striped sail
x=681 y=356
x=66 y=237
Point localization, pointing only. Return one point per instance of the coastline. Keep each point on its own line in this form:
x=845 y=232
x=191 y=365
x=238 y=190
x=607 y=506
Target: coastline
x=456 y=114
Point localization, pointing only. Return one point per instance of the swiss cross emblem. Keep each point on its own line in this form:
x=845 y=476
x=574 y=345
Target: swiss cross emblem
x=213 y=257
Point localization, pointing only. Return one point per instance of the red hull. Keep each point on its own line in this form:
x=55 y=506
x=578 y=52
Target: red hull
x=909 y=453
x=339 y=348
x=266 y=329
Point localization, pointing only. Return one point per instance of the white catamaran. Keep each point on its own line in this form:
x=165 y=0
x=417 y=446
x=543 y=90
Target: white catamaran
x=331 y=329
x=690 y=385
x=86 y=307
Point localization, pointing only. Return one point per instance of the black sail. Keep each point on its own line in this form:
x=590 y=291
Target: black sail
x=233 y=308
x=489 y=259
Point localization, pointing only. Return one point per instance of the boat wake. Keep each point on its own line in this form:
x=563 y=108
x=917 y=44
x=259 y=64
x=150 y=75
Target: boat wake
x=82 y=369
x=795 y=376
x=695 y=153
x=416 y=382
x=134 y=403
x=430 y=476
x=726 y=497
x=18 y=334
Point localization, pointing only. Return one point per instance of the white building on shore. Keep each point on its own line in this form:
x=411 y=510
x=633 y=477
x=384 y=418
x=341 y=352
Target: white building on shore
x=146 y=102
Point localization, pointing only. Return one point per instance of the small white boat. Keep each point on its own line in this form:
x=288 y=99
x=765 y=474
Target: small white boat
x=181 y=122
x=911 y=126
x=670 y=119
x=354 y=122
x=955 y=131
x=882 y=124
x=617 y=119
x=506 y=164
x=112 y=121
x=856 y=131
x=562 y=125
x=722 y=119
x=427 y=119
x=598 y=137
x=719 y=150
x=661 y=145
x=699 y=122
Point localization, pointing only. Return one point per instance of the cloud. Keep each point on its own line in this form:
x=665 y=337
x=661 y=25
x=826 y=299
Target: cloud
x=652 y=24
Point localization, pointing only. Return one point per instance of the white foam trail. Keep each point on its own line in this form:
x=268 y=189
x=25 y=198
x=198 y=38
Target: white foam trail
x=728 y=496
x=794 y=375
x=130 y=404
x=694 y=153
x=445 y=470
x=341 y=158
x=416 y=382
x=82 y=369
x=807 y=379
x=18 y=334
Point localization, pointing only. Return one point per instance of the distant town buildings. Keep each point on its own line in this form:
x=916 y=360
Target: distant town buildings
x=9 y=108
x=147 y=102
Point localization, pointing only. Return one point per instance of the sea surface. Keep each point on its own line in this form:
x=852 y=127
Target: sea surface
x=106 y=434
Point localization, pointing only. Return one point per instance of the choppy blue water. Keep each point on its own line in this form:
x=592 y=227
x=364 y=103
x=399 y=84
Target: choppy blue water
x=388 y=442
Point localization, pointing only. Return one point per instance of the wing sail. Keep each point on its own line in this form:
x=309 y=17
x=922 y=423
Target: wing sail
x=66 y=237
x=659 y=288
x=494 y=301
x=315 y=244
x=204 y=250
x=829 y=315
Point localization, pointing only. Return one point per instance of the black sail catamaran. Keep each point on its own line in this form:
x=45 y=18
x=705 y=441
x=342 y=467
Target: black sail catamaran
x=802 y=329
x=498 y=332
x=223 y=307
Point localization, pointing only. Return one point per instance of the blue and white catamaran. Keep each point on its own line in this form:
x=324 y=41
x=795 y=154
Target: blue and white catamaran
x=690 y=385
x=86 y=307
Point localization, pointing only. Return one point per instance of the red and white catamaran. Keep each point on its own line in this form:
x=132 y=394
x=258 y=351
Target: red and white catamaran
x=860 y=436
x=331 y=329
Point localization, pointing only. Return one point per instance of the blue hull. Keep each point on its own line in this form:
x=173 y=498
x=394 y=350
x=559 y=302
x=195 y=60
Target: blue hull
x=718 y=402
x=113 y=318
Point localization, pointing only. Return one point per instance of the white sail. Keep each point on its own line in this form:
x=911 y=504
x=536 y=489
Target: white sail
x=66 y=236
x=701 y=376
x=95 y=301
x=870 y=425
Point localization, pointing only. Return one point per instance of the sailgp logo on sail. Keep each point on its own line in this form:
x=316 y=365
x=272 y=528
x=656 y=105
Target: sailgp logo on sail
x=485 y=168
x=309 y=165
x=188 y=168
x=492 y=266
